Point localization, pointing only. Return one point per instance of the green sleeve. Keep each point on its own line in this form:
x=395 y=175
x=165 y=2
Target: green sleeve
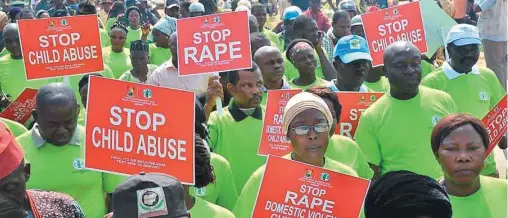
x=213 y=130
x=366 y=138
x=111 y=181
x=107 y=72
x=247 y=199
x=490 y=165
x=227 y=196
x=16 y=128
x=451 y=105
x=427 y=68
x=364 y=170
x=429 y=82
x=498 y=91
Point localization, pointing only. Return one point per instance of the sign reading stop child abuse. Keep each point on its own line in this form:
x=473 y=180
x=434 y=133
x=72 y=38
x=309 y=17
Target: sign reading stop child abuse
x=496 y=123
x=399 y=23
x=273 y=138
x=308 y=191
x=213 y=43
x=353 y=106
x=60 y=46
x=134 y=128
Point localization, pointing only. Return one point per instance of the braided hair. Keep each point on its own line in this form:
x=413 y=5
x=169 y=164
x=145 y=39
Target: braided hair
x=204 y=170
x=121 y=26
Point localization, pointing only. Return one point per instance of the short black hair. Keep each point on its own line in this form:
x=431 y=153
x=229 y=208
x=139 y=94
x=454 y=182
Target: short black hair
x=327 y=93
x=452 y=122
x=61 y=13
x=339 y=14
x=300 y=22
x=257 y=5
x=234 y=77
x=84 y=80
x=293 y=43
x=204 y=174
x=86 y=8
x=130 y=9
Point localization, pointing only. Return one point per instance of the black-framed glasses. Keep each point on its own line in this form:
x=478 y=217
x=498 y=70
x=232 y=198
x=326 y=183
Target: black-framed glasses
x=303 y=130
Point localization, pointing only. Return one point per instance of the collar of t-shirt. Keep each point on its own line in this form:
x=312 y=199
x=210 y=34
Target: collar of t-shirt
x=39 y=141
x=285 y=85
x=334 y=87
x=450 y=73
x=239 y=115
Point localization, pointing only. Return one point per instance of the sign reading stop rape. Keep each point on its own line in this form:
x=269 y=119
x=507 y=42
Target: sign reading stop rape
x=496 y=123
x=399 y=23
x=215 y=43
x=308 y=191
x=134 y=128
x=353 y=105
x=60 y=46
x=273 y=138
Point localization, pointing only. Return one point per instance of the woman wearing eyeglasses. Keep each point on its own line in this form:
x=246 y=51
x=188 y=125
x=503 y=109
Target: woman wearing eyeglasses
x=307 y=121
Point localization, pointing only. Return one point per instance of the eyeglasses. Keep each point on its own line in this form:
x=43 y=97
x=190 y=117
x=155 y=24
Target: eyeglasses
x=303 y=130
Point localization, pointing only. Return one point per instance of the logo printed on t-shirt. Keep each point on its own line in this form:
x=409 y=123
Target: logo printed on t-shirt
x=200 y=192
x=435 y=119
x=484 y=96
x=151 y=202
x=78 y=164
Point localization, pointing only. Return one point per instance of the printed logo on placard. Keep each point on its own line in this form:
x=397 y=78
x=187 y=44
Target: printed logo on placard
x=484 y=96
x=147 y=93
x=308 y=173
x=130 y=92
x=200 y=192
x=395 y=11
x=151 y=202
x=216 y=20
x=325 y=176
x=372 y=98
x=51 y=24
x=78 y=164
x=64 y=22
x=354 y=44
x=435 y=119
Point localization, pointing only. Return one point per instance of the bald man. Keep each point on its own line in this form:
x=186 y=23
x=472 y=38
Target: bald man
x=394 y=132
x=55 y=149
x=258 y=40
x=271 y=63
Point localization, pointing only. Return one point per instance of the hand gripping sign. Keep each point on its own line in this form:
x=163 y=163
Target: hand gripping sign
x=273 y=138
x=213 y=43
x=353 y=105
x=496 y=123
x=399 y=23
x=308 y=191
x=134 y=128
x=60 y=46
x=21 y=109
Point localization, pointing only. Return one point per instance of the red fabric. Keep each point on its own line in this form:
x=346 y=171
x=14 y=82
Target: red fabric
x=372 y=9
x=11 y=153
x=322 y=21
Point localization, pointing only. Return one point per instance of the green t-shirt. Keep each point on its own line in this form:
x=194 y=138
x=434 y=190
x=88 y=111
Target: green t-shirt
x=82 y=117
x=204 y=208
x=228 y=138
x=383 y=85
x=395 y=134
x=247 y=200
x=223 y=191
x=109 y=24
x=274 y=39
x=132 y=35
x=317 y=83
x=292 y=72
x=344 y=150
x=105 y=40
x=61 y=169
x=127 y=76
x=16 y=128
x=490 y=201
x=159 y=55
x=13 y=78
x=74 y=82
x=4 y=52
x=117 y=62
x=427 y=68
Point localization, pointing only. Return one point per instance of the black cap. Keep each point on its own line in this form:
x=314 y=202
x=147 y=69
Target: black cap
x=149 y=195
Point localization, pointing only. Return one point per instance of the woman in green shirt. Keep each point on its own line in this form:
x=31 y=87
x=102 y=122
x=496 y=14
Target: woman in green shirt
x=116 y=56
x=136 y=30
x=159 y=51
x=459 y=142
x=301 y=54
x=141 y=70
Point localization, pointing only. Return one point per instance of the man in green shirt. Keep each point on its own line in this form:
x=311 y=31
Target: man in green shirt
x=270 y=62
x=394 y=132
x=259 y=11
x=243 y=115
x=55 y=146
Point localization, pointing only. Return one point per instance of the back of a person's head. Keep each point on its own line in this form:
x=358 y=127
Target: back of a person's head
x=403 y=194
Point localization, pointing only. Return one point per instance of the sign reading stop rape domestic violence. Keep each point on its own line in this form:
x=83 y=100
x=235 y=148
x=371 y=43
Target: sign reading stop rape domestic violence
x=399 y=23
x=134 y=128
x=353 y=105
x=60 y=46
x=496 y=123
x=273 y=138
x=213 y=43
x=308 y=191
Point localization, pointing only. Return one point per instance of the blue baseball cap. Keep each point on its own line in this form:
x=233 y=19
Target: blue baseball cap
x=291 y=13
x=351 y=48
x=464 y=34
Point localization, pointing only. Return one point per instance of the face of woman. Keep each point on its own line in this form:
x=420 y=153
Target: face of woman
x=308 y=133
x=305 y=61
x=118 y=37
x=134 y=17
x=461 y=155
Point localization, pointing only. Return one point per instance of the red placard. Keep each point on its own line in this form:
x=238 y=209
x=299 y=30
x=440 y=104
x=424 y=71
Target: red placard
x=134 y=128
x=308 y=191
x=60 y=46
x=353 y=105
x=213 y=43
x=399 y=23
x=273 y=138
x=495 y=121
x=21 y=109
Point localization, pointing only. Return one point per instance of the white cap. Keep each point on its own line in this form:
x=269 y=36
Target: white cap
x=464 y=34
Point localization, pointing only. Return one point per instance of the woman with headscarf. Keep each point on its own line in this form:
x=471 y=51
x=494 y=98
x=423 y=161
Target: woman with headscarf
x=136 y=30
x=460 y=142
x=301 y=54
x=141 y=70
x=116 y=56
x=307 y=121
x=117 y=10
x=159 y=50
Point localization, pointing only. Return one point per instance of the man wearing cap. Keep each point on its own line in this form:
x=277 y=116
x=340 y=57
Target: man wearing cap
x=172 y=10
x=259 y=11
x=341 y=26
x=149 y=195
x=18 y=202
x=55 y=148
x=349 y=6
x=270 y=62
x=352 y=61
x=287 y=35
x=394 y=132
x=474 y=89
x=60 y=5
x=196 y=9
